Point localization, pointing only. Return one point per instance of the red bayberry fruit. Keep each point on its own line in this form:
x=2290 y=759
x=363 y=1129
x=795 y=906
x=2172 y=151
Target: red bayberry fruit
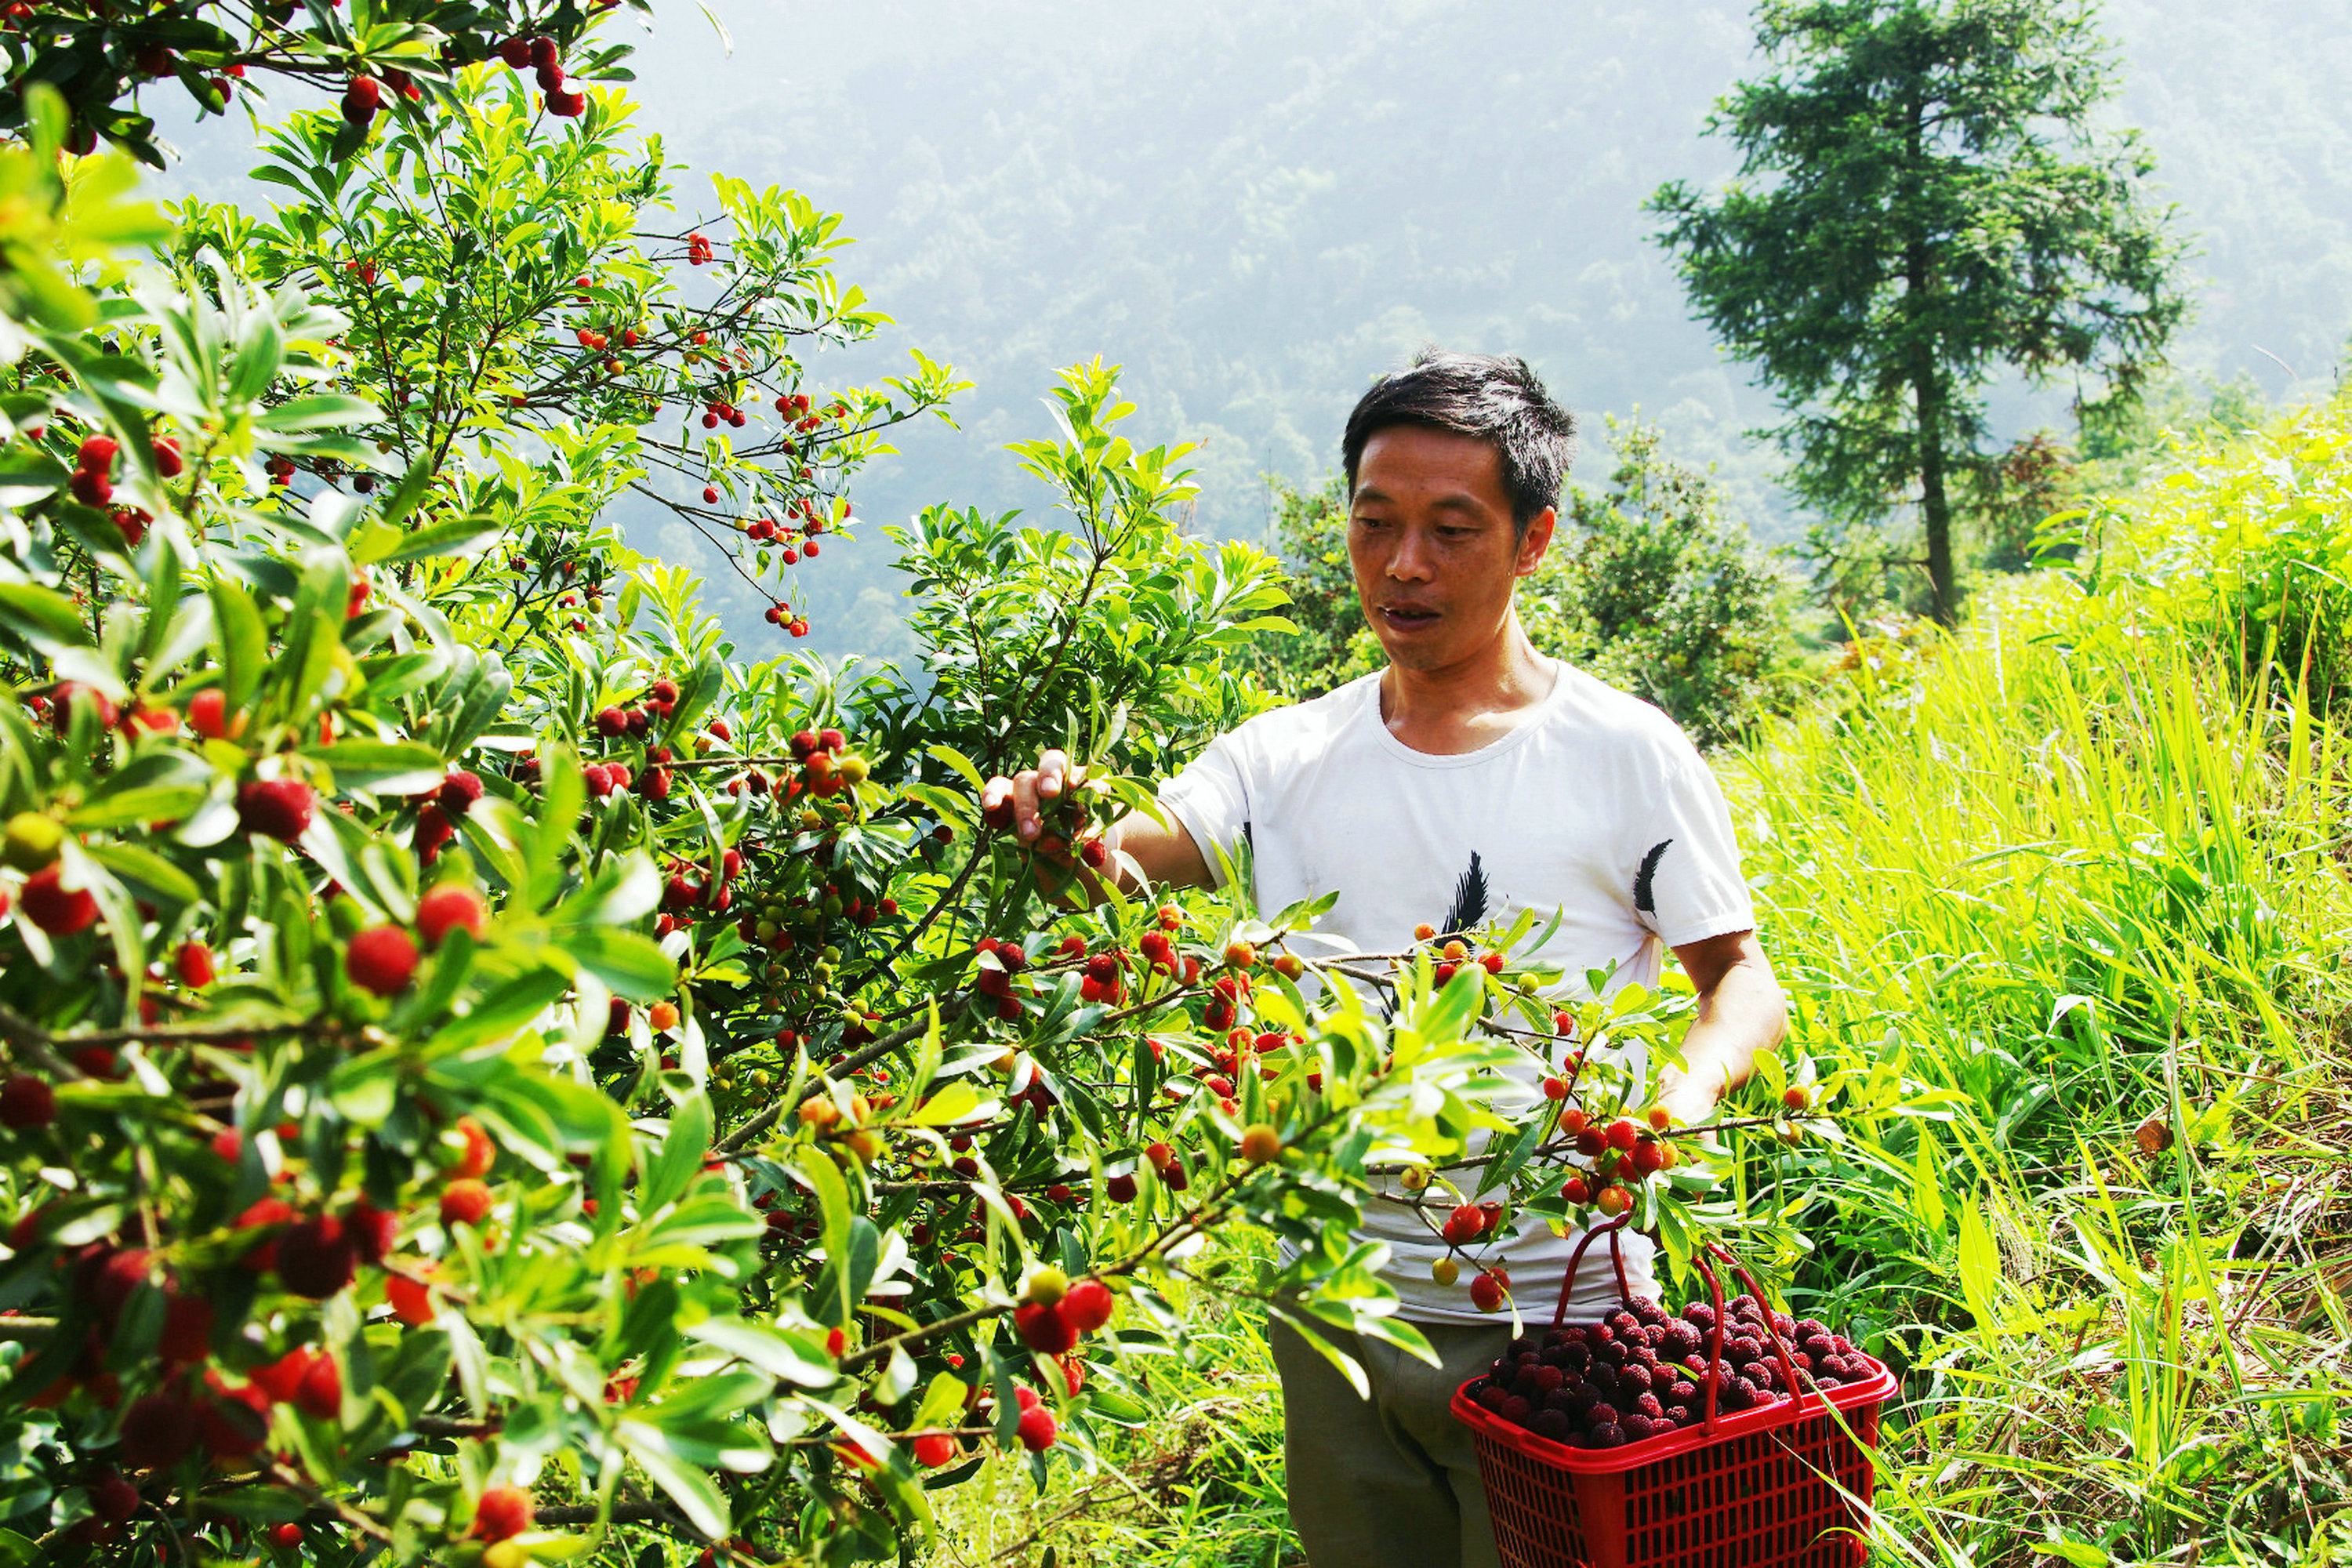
x=933 y=1449
x=1038 y=1429
x=158 y=1430
x=1487 y=1291
x=361 y=99
x=187 y=1329
x=50 y=906
x=567 y=105
x=1043 y=1328
x=1120 y=1188
x=465 y=1202
x=1088 y=1305
x=410 y=1299
x=316 y=1258
x=96 y=455
x=504 y=1512
x=543 y=50
x=447 y=907
x=459 y=791
x=112 y=1499
x=1796 y=1097
x=1623 y=1134
x=320 y=1393
x=275 y=808
x=381 y=959
x=208 y=714
x=480 y=1153
x=372 y=1230
x=68 y=695
x=26 y=1102
x=168 y=461
x=1613 y=1201
x=193 y=962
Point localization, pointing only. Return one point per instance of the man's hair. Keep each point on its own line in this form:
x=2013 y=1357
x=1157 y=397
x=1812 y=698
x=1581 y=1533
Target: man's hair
x=1497 y=400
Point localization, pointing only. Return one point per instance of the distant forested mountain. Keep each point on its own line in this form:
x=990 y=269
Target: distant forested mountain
x=1255 y=207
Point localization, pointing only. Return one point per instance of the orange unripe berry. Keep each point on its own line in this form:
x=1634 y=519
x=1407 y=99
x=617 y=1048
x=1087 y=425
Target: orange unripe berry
x=662 y=1015
x=1261 y=1144
x=1241 y=955
x=1423 y=932
x=819 y=1112
x=1614 y=1200
x=1661 y=1118
x=1573 y=1121
x=1456 y=952
x=1797 y=1097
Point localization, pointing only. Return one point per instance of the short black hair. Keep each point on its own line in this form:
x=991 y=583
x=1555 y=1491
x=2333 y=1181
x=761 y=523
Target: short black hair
x=1496 y=398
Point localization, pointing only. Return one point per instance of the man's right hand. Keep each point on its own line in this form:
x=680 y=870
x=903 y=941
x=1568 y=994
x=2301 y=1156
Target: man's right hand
x=1020 y=802
x=1164 y=854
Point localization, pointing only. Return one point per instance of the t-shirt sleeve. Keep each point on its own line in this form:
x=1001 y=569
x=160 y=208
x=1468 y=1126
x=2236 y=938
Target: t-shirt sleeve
x=1211 y=798
x=1687 y=881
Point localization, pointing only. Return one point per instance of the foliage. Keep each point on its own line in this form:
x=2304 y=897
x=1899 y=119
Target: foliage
x=1646 y=585
x=1923 y=203
x=408 y=54
x=491 y=1074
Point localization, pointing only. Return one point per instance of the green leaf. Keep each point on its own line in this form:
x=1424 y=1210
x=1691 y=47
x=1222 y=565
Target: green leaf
x=244 y=647
x=42 y=616
x=682 y=1153
x=797 y=1359
x=383 y=767
x=142 y=867
x=631 y=965
x=159 y=786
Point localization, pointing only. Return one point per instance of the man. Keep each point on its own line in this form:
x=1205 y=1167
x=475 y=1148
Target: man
x=1470 y=778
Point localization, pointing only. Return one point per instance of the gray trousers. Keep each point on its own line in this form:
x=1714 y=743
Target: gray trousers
x=1391 y=1482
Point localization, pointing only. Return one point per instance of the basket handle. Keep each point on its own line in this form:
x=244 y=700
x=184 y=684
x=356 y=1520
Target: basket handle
x=1616 y=1257
x=1797 y=1392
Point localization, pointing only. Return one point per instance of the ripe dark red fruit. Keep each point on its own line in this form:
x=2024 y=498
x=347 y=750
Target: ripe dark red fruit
x=50 y=906
x=317 y=1257
x=567 y=105
x=361 y=99
x=543 y=50
x=26 y=1102
x=504 y=1512
x=1121 y=1189
x=447 y=907
x=319 y=1395
x=275 y=808
x=459 y=791
x=381 y=959
x=1045 y=1328
x=96 y=454
x=465 y=1202
x=612 y=722
x=68 y=695
x=112 y=1499
x=1487 y=1291
x=158 y=1430
x=372 y=1230
x=208 y=714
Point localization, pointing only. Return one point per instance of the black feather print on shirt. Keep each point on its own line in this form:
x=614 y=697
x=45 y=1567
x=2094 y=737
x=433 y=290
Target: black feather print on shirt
x=1644 y=892
x=1469 y=900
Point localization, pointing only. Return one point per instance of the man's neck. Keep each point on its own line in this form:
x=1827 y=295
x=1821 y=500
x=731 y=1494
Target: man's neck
x=1471 y=704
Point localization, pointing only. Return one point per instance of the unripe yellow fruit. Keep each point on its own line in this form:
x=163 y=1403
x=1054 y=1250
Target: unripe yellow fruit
x=1261 y=1144
x=32 y=841
x=1445 y=1270
x=1047 y=1286
x=866 y=1145
x=818 y=1111
x=1413 y=1178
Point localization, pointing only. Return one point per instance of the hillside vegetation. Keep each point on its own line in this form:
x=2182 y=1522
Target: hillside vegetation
x=2081 y=867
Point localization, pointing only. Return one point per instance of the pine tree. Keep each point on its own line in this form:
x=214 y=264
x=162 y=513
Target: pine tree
x=1924 y=203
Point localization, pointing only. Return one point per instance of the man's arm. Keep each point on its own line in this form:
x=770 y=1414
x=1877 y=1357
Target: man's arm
x=1740 y=1012
x=1167 y=856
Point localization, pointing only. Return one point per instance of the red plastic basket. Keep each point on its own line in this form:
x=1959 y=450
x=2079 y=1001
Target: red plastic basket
x=1784 y=1486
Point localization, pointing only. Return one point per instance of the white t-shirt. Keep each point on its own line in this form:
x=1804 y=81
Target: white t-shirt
x=1597 y=806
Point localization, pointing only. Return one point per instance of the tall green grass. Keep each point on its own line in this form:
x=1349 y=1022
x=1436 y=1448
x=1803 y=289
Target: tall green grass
x=2086 y=870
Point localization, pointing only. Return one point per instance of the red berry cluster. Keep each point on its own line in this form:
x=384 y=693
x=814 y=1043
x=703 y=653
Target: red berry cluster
x=542 y=54
x=1640 y=1373
x=697 y=253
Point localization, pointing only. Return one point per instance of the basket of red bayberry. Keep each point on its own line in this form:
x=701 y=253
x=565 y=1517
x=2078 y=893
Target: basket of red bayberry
x=1724 y=1436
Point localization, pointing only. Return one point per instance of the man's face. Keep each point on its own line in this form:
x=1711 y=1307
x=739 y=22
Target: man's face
x=1431 y=540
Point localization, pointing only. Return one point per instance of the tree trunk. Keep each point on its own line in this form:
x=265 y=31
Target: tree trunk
x=1927 y=397
x=1935 y=505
